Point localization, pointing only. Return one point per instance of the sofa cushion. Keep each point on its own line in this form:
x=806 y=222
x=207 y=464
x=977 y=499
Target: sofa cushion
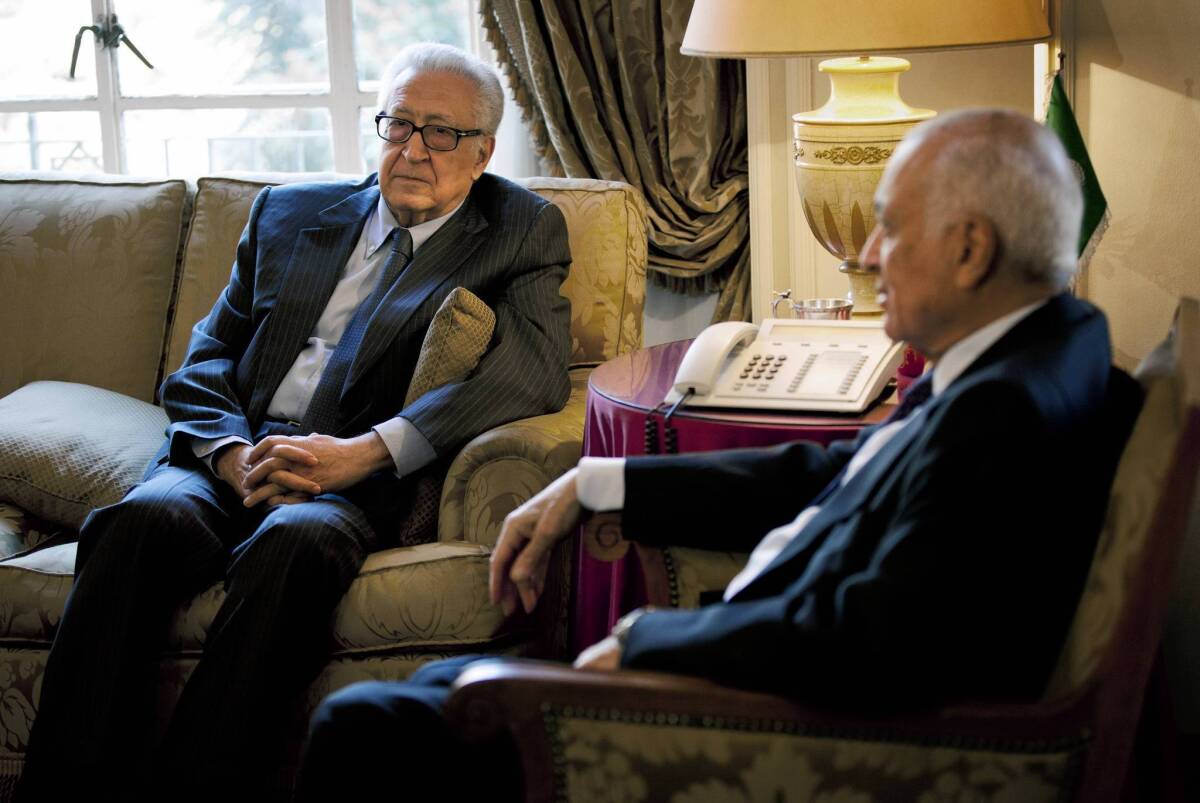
x=21 y=530
x=218 y=217
x=219 y=214
x=86 y=273
x=33 y=593
x=66 y=448
x=606 y=224
x=422 y=597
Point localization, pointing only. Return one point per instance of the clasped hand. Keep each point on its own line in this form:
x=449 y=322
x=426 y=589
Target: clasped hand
x=281 y=470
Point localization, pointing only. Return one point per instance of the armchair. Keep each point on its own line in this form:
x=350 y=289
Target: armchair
x=646 y=736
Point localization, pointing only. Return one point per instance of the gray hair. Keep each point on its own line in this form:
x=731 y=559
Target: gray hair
x=428 y=57
x=1005 y=167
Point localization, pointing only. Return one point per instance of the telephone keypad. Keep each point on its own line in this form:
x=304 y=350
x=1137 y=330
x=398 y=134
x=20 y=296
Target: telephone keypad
x=758 y=372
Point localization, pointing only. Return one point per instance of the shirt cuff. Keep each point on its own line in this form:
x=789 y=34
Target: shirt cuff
x=207 y=448
x=600 y=483
x=405 y=443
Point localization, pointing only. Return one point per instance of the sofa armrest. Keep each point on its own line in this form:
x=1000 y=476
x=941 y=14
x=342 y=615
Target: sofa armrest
x=505 y=466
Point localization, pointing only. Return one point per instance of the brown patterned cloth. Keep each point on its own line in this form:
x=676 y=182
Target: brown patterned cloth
x=608 y=95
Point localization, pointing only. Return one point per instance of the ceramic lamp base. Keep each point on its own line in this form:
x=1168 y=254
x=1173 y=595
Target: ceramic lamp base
x=862 y=290
x=840 y=152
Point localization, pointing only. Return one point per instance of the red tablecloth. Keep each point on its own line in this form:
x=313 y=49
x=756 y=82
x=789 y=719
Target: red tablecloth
x=625 y=392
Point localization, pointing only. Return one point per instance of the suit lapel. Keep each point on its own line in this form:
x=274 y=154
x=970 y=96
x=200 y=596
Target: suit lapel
x=438 y=259
x=847 y=500
x=316 y=265
x=1034 y=332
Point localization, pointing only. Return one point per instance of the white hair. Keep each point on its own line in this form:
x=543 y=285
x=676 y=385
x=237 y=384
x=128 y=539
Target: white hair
x=1003 y=166
x=429 y=57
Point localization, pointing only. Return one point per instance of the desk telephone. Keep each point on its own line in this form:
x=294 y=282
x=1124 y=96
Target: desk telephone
x=836 y=366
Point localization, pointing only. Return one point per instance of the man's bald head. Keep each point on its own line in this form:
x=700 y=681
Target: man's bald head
x=1004 y=167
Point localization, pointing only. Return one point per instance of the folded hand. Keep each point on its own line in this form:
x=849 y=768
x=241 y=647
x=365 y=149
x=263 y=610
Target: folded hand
x=285 y=469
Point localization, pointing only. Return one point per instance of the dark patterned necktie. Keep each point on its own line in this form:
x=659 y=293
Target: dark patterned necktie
x=918 y=393
x=324 y=410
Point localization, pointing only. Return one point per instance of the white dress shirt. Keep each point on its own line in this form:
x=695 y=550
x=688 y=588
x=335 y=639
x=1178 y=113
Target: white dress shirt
x=408 y=447
x=600 y=483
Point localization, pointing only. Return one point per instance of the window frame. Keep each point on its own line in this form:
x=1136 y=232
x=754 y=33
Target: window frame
x=343 y=99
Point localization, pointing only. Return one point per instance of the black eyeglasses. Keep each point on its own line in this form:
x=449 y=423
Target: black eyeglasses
x=435 y=137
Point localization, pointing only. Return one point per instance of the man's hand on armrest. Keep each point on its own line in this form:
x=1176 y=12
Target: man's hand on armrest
x=522 y=555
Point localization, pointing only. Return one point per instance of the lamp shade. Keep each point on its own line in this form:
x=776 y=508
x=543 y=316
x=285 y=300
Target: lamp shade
x=765 y=28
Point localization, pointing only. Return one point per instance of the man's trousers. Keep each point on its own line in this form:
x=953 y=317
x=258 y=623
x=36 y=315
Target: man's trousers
x=390 y=741
x=171 y=537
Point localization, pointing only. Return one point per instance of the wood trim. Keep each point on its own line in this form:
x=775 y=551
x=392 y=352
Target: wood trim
x=526 y=699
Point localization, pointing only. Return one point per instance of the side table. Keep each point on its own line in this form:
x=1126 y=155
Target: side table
x=625 y=417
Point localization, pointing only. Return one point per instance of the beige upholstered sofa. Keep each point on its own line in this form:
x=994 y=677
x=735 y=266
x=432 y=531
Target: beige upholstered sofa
x=101 y=280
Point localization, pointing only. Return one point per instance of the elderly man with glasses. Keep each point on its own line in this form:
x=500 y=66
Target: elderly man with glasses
x=290 y=452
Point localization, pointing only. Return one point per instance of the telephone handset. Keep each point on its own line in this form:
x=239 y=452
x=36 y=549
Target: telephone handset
x=837 y=366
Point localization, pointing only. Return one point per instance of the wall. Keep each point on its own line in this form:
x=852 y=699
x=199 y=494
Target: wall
x=674 y=316
x=1136 y=97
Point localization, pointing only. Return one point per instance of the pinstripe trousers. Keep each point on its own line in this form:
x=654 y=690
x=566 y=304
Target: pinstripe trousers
x=172 y=536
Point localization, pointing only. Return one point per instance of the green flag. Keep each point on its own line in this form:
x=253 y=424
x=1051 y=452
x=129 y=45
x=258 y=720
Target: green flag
x=1061 y=120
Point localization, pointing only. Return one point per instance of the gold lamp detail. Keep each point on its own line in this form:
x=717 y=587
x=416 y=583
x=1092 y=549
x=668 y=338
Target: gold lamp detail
x=840 y=150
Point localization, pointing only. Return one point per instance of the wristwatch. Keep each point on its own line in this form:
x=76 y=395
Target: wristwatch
x=620 y=631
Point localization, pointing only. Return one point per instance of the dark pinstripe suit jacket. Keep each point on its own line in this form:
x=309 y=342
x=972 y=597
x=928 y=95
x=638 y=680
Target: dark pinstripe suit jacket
x=505 y=244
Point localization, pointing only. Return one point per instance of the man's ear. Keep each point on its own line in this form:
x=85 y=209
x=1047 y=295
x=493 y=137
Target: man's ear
x=975 y=243
x=487 y=146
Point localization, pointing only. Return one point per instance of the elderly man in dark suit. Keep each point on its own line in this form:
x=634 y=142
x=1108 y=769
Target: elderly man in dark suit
x=938 y=556
x=289 y=453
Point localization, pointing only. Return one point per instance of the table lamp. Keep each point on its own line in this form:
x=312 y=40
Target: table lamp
x=840 y=149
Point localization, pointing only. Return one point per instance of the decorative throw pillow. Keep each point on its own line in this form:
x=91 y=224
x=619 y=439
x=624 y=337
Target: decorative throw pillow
x=458 y=336
x=66 y=448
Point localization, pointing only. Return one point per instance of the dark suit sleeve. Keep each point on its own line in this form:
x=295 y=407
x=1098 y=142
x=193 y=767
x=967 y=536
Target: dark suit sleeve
x=200 y=397
x=725 y=500
x=977 y=564
x=524 y=372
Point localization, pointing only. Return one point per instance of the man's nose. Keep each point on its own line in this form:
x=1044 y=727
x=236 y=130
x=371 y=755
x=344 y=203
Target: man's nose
x=414 y=149
x=868 y=258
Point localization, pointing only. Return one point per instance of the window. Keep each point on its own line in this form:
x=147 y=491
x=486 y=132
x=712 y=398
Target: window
x=257 y=85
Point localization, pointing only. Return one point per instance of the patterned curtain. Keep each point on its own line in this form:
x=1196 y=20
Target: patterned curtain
x=608 y=95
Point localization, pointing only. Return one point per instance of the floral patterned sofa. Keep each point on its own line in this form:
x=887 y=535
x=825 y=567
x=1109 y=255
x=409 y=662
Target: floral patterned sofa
x=101 y=280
